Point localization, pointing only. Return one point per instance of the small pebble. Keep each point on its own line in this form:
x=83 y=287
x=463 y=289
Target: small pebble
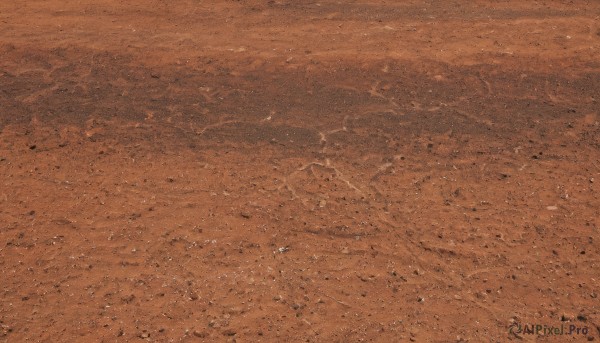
x=199 y=334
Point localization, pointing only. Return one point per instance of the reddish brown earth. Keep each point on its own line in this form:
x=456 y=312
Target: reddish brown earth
x=298 y=171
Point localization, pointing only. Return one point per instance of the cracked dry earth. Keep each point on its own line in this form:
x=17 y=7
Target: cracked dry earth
x=298 y=171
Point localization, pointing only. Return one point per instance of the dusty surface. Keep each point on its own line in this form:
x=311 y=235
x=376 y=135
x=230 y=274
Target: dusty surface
x=298 y=171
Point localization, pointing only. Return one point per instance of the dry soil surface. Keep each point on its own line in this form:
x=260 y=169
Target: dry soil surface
x=286 y=170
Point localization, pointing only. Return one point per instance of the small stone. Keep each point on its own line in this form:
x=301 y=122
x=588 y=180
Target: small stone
x=552 y=208
x=245 y=215
x=229 y=332
x=345 y=251
x=199 y=334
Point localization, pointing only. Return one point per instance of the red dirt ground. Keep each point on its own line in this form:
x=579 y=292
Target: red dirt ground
x=298 y=170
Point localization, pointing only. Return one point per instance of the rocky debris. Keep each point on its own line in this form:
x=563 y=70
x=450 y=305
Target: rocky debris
x=5 y=330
